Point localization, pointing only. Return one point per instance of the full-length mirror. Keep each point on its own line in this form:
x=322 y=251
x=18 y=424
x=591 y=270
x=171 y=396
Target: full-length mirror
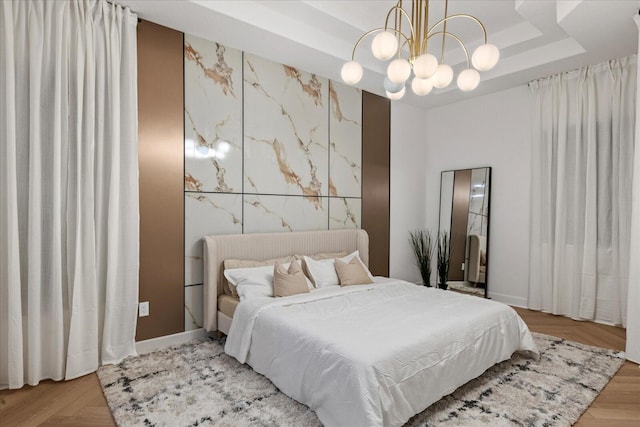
x=464 y=219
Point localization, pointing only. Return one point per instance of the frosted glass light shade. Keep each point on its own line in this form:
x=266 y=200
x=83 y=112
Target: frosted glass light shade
x=397 y=95
x=421 y=86
x=468 y=79
x=384 y=45
x=399 y=70
x=485 y=57
x=392 y=87
x=424 y=66
x=443 y=76
x=351 y=72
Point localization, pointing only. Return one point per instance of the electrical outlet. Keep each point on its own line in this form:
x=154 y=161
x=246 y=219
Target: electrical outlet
x=462 y=268
x=143 y=309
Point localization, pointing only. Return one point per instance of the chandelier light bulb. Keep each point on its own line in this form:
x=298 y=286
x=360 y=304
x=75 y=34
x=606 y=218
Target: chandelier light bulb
x=404 y=50
x=384 y=45
x=485 y=57
x=397 y=95
x=399 y=70
x=424 y=66
x=443 y=76
x=468 y=80
x=392 y=87
x=351 y=72
x=421 y=87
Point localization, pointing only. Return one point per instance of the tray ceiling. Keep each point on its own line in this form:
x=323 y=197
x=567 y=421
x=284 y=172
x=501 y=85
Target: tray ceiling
x=536 y=37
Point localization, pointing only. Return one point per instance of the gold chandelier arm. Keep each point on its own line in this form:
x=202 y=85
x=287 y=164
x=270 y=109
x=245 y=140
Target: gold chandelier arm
x=444 y=29
x=464 y=48
x=398 y=8
x=460 y=15
x=353 y=52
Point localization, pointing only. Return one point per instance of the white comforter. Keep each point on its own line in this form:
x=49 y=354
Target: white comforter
x=373 y=355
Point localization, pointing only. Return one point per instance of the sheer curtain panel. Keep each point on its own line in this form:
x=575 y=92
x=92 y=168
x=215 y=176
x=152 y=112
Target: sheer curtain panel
x=582 y=168
x=633 y=300
x=68 y=188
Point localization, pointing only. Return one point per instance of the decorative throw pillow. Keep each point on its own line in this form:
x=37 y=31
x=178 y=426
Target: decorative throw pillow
x=318 y=257
x=483 y=257
x=231 y=264
x=252 y=281
x=289 y=282
x=352 y=273
x=323 y=272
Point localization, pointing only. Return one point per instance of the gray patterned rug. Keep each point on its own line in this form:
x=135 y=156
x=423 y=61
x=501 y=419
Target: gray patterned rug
x=198 y=384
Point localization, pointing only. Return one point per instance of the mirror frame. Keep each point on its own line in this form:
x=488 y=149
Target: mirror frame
x=488 y=184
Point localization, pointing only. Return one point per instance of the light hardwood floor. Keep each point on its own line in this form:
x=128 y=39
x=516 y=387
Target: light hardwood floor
x=80 y=402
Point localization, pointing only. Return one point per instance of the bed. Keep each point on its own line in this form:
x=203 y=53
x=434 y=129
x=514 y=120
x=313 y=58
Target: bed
x=365 y=355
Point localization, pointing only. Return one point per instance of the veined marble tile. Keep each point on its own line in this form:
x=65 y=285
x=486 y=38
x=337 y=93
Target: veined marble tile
x=345 y=213
x=476 y=202
x=284 y=213
x=479 y=196
x=207 y=214
x=345 y=136
x=212 y=116
x=286 y=129
x=474 y=224
x=193 y=307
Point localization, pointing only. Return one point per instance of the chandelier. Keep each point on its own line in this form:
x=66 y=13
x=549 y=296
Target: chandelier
x=410 y=46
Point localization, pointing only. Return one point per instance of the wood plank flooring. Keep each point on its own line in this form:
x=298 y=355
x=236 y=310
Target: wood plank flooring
x=618 y=405
x=80 y=402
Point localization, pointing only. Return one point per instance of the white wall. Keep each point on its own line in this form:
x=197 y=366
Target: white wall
x=408 y=187
x=492 y=130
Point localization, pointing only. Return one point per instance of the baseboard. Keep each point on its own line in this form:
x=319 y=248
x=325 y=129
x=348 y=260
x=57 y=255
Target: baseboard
x=522 y=303
x=508 y=299
x=153 y=344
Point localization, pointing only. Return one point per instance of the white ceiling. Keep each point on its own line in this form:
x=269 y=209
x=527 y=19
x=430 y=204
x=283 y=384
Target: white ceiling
x=536 y=38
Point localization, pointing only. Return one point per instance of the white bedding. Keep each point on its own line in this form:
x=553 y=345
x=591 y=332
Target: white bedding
x=373 y=355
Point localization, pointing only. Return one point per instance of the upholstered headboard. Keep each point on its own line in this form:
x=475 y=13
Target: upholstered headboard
x=259 y=247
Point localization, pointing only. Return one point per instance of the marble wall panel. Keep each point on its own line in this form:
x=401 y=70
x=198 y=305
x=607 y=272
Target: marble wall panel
x=474 y=224
x=345 y=137
x=301 y=143
x=193 y=308
x=207 y=214
x=263 y=213
x=213 y=116
x=344 y=213
x=476 y=202
x=285 y=130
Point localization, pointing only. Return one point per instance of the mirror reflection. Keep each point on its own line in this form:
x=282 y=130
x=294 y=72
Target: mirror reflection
x=464 y=216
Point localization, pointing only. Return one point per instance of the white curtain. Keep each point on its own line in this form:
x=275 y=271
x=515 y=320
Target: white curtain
x=68 y=188
x=582 y=167
x=633 y=299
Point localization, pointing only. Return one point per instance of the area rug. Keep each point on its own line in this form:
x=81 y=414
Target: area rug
x=198 y=384
x=467 y=288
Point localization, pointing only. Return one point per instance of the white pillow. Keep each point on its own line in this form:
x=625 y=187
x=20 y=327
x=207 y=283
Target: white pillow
x=323 y=272
x=254 y=282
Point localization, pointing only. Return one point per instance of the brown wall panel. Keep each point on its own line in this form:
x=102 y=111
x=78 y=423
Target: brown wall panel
x=376 y=121
x=459 y=220
x=161 y=162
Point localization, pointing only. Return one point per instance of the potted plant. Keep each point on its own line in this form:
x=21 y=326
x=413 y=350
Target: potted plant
x=423 y=247
x=444 y=253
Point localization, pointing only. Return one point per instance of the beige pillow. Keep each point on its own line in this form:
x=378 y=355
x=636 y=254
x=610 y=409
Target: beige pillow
x=483 y=257
x=289 y=282
x=230 y=264
x=352 y=273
